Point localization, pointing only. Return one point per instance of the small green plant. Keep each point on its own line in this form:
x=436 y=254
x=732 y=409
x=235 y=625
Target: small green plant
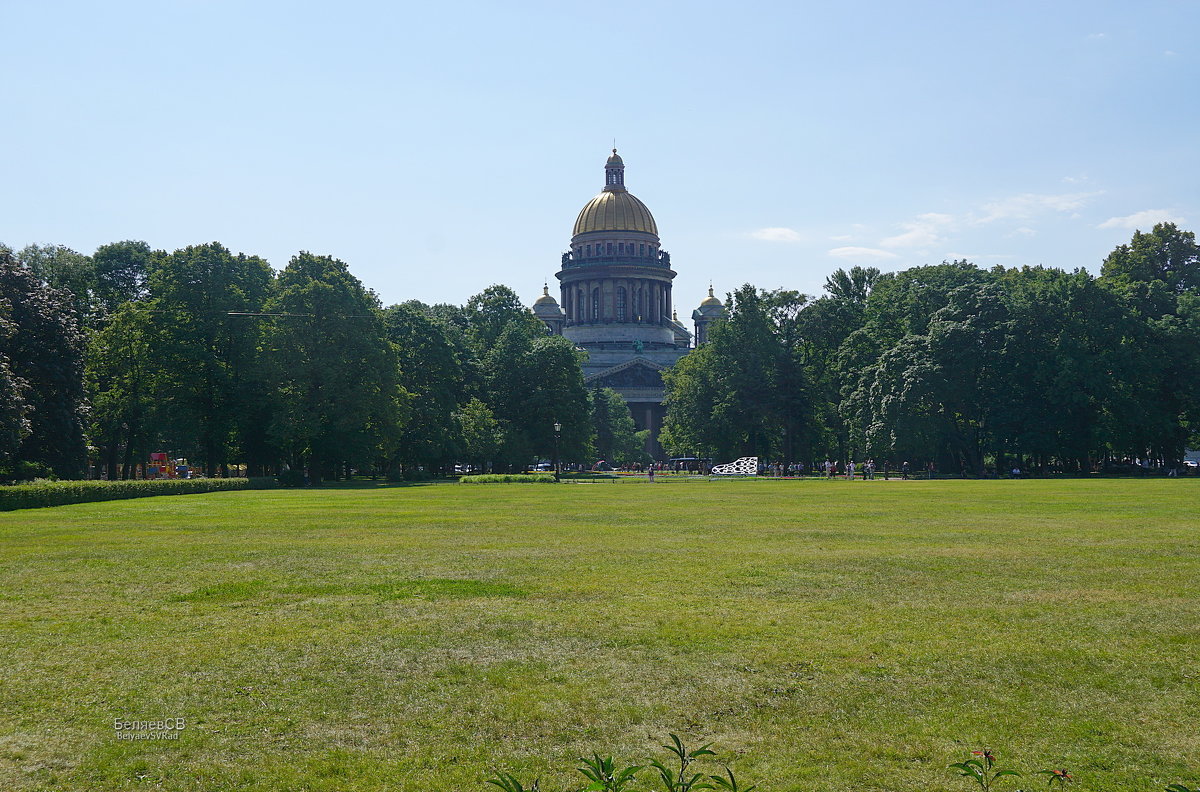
x=729 y=783
x=509 y=783
x=679 y=780
x=1060 y=777
x=603 y=775
x=979 y=768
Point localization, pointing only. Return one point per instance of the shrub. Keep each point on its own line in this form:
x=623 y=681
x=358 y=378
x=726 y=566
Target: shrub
x=291 y=478
x=59 y=493
x=25 y=471
x=508 y=478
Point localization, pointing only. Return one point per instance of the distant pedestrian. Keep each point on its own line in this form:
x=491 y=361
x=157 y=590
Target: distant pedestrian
x=904 y=471
x=650 y=474
x=850 y=470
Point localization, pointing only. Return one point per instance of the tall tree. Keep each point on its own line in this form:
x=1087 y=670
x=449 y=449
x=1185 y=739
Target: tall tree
x=207 y=345
x=431 y=373
x=121 y=381
x=14 y=409
x=533 y=381
x=746 y=391
x=336 y=373
x=119 y=272
x=44 y=350
x=1165 y=255
x=68 y=271
x=617 y=439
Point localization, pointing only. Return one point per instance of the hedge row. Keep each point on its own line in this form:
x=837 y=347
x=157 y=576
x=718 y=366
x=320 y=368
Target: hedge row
x=58 y=493
x=508 y=478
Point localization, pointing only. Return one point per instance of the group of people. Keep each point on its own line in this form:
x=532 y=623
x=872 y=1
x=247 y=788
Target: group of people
x=867 y=469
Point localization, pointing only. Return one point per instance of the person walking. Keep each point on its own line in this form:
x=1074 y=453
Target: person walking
x=904 y=472
x=850 y=470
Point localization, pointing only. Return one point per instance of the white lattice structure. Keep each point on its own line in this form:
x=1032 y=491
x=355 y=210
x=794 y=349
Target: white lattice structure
x=746 y=466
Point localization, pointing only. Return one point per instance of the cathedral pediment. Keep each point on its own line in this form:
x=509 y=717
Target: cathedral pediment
x=636 y=373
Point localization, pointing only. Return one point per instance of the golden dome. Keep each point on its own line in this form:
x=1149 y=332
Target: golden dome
x=546 y=299
x=615 y=211
x=710 y=299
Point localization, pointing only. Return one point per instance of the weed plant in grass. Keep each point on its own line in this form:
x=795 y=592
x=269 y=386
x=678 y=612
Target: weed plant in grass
x=825 y=635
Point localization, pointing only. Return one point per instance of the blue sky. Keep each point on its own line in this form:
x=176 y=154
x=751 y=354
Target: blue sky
x=439 y=148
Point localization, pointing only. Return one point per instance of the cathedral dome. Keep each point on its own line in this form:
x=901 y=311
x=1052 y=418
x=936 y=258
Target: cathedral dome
x=615 y=209
x=711 y=300
x=546 y=299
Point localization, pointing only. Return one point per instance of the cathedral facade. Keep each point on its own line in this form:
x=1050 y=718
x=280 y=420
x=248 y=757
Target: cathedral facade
x=616 y=304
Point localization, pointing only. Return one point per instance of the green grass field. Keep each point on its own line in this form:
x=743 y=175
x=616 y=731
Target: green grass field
x=825 y=635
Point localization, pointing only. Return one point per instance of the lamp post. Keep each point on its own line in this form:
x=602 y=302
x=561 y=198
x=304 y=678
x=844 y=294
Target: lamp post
x=557 y=429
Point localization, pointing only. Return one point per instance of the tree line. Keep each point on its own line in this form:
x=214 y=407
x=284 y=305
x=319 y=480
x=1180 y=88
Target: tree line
x=215 y=357
x=973 y=369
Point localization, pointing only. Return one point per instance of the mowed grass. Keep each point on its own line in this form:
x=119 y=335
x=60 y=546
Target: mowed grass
x=825 y=635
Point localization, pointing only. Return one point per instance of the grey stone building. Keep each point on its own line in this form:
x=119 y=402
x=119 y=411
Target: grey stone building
x=616 y=303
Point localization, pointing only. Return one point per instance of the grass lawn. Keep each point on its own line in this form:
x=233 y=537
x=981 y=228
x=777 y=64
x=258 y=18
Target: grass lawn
x=825 y=635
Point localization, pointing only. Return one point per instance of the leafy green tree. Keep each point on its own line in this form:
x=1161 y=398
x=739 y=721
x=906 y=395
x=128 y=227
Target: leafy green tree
x=746 y=391
x=940 y=390
x=120 y=378
x=1165 y=255
x=431 y=373
x=853 y=287
x=335 y=372
x=489 y=313
x=479 y=433
x=68 y=271
x=44 y=351
x=617 y=439
x=119 y=273
x=532 y=381
x=206 y=346
x=14 y=409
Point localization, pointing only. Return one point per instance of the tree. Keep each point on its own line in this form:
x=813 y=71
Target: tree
x=335 y=372
x=121 y=382
x=44 y=352
x=206 y=342
x=14 y=409
x=489 y=313
x=119 y=272
x=617 y=439
x=1165 y=255
x=532 y=381
x=479 y=433
x=431 y=373
x=745 y=392
x=68 y=271
x=853 y=287
x=939 y=392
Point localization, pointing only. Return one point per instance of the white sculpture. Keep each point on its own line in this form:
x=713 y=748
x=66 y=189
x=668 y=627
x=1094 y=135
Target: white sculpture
x=746 y=466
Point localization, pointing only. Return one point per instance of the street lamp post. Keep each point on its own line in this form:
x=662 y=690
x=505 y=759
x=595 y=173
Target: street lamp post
x=557 y=429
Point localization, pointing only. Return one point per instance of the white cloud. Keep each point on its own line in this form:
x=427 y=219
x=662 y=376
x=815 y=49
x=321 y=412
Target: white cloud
x=1026 y=205
x=1023 y=231
x=1097 y=36
x=841 y=238
x=922 y=232
x=862 y=253
x=1144 y=219
x=777 y=235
